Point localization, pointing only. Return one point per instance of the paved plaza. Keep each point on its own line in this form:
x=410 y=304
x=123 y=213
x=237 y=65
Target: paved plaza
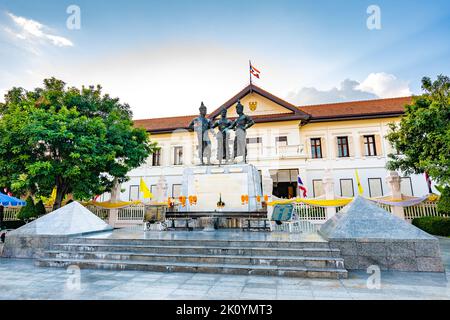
x=20 y=279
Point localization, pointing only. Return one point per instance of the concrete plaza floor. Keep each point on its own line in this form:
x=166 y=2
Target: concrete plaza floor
x=20 y=279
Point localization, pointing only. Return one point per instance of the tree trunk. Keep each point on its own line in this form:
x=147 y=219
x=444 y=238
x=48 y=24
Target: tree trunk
x=61 y=191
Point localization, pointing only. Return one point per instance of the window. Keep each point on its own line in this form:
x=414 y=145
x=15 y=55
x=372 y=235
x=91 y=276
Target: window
x=134 y=193
x=284 y=182
x=369 y=145
x=153 y=189
x=254 y=144
x=375 y=187
x=316 y=148
x=176 y=190
x=178 y=156
x=342 y=143
x=281 y=142
x=406 y=186
x=347 y=187
x=317 y=188
x=156 y=158
x=254 y=140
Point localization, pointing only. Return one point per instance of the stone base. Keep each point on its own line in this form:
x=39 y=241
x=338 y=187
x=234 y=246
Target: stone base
x=399 y=255
x=29 y=246
x=226 y=182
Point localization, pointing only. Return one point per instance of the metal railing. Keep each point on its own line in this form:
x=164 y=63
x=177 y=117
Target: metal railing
x=102 y=213
x=310 y=213
x=424 y=209
x=10 y=214
x=132 y=213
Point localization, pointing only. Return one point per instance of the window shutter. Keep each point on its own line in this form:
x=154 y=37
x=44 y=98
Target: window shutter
x=308 y=148
x=336 y=148
x=324 y=147
x=361 y=143
x=351 y=147
x=378 y=145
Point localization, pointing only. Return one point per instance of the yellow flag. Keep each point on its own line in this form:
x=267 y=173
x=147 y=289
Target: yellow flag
x=145 y=190
x=53 y=195
x=358 y=183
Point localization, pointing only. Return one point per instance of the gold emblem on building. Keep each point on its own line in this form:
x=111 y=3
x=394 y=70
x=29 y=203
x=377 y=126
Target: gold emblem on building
x=252 y=105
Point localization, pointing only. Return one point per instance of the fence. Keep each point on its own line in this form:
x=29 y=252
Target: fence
x=319 y=215
x=424 y=209
x=132 y=214
x=10 y=214
x=99 y=212
x=310 y=213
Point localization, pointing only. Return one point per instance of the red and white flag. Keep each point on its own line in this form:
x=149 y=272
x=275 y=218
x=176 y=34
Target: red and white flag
x=301 y=186
x=253 y=71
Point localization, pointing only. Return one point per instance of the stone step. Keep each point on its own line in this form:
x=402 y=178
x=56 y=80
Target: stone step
x=281 y=261
x=205 y=243
x=210 y=250
x=307 y=272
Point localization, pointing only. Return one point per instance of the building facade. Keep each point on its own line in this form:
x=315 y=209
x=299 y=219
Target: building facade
x=287 y=141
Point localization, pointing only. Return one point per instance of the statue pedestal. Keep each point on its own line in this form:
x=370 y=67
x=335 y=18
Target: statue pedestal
x=229 y=182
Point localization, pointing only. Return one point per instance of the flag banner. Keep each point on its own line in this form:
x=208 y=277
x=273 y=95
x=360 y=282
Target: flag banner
x=301 y=186
x=358 y=183
x=255 y=72
x=344 y=201
x=145 y=190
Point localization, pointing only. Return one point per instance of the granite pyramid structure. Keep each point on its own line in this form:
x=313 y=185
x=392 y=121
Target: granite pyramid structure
x=72 y=219
x=363 y=219
x=32 y=239
x=368 y=235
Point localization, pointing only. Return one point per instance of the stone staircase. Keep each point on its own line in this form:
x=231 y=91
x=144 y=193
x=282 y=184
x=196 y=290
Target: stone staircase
x=256 y=257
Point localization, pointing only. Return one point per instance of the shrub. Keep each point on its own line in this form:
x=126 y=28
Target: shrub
x=443 y=204
x=27 y=212
x=439 y=226
x=40 y=208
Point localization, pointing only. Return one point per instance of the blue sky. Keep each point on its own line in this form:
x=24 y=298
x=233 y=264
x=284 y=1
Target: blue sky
x=164 y=57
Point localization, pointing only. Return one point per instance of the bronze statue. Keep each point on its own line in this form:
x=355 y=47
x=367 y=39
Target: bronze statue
x=240 y=125
x=223 y=137
x=201 y=125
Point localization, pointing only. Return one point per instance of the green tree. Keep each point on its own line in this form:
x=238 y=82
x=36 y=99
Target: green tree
x=28 y=212
x=79 y=140
x=422 y=138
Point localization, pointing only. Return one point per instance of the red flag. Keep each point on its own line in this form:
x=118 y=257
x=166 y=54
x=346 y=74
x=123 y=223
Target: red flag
x=254 y=71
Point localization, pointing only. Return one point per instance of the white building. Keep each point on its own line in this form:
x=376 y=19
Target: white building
x=285 y=141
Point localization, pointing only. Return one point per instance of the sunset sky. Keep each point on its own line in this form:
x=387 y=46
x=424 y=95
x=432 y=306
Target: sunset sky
x=165 y=57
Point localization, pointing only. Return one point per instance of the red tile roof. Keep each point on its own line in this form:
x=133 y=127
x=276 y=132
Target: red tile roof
x=320 y=112
x=356 y=109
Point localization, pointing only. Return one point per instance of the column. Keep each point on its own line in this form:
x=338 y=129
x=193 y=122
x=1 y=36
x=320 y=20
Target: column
x=328 y=187
x=393 y=180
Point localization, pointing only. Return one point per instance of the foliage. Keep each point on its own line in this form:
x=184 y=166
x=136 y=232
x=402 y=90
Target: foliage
x=422 y=138
x=443 y=204
x=439 y=226
x=40 y=208
x=81 y=141
x=29 y=211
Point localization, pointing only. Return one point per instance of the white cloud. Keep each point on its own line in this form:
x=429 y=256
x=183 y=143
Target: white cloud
x=376 y=85
x=385 y=85
x=347 y=91
x=31 y=30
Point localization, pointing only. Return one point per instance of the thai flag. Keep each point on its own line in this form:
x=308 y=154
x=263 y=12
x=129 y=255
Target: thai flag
x=255 y=72
x=301 y=186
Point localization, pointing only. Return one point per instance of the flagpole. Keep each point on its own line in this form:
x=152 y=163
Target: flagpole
x=250 y=72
